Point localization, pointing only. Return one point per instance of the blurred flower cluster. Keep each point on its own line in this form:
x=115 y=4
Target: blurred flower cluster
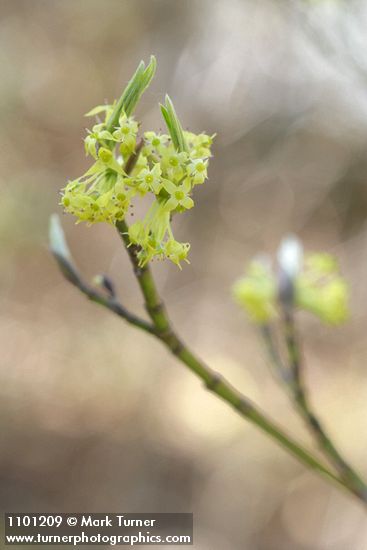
x=312 y=282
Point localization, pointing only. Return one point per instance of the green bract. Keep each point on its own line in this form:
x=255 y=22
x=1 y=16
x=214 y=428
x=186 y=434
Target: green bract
x=167 y=169
x=318 y=288
x=174 y=125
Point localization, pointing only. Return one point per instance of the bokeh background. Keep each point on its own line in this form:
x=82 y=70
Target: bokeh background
x=98 y=417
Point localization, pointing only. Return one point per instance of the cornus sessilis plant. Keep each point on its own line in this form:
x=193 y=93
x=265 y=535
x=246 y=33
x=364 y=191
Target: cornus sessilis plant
x=128 y=164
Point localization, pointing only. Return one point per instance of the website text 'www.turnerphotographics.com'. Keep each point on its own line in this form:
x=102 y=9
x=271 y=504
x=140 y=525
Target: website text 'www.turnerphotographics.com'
x=108 y=529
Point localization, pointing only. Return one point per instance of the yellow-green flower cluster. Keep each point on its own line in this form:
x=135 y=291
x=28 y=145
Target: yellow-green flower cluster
x=318 y=288
x=256 y=292
x=167 y=169
x=321 y=289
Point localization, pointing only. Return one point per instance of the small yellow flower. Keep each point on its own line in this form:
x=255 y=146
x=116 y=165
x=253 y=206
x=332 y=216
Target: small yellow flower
x=177 y=252
x=197 y=169
x=179 y=195
x=150 y=180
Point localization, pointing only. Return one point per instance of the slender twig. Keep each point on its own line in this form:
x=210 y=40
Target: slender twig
x=116 y=307
x=292 y=377
x=301 y=400
x=109 y=301
x=161 y=328
x=213 y=381
x=280 y=371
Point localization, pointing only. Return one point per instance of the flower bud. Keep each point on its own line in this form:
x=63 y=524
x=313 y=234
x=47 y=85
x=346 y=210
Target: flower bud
x=290 y=257
x=105 y=155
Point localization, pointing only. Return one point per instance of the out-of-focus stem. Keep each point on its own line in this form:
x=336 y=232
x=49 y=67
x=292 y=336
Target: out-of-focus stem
x=292 y=376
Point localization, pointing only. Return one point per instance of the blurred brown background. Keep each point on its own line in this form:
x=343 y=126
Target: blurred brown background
x=94 y=415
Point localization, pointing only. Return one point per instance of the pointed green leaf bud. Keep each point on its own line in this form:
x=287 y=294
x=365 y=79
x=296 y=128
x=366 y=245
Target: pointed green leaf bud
x=105 y=155
x=61 y=252
x=133 y=91
x=174 y=126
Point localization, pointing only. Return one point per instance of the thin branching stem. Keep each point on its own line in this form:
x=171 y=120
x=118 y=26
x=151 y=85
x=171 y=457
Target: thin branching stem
x=161 y=327
x=116 y=307
x=292 y=375
x=212 y=380
x=108 y=301
x=301 y=400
